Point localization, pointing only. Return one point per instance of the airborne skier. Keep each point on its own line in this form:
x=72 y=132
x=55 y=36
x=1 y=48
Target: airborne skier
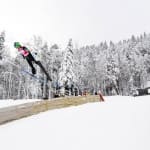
x=30 y=59
x=26 y=55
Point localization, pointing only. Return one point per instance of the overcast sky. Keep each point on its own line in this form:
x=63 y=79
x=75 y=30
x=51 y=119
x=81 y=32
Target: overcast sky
x=85 y=21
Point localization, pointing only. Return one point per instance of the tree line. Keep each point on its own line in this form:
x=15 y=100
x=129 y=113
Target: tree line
x=114 y=68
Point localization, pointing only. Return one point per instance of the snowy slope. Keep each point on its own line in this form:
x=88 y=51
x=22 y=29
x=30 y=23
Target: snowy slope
x=5 y=103
x=120 y=123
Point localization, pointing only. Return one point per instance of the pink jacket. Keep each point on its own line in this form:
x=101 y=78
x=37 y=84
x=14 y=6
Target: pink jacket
x=23 y=51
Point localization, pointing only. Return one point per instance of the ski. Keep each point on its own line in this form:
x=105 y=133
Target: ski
x=41 y=80
x=34 y=76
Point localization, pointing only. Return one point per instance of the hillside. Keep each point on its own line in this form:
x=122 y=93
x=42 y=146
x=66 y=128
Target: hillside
x=18 y=111
x=119 y=123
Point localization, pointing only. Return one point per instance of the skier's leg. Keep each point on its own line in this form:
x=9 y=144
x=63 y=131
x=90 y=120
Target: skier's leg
x=31 y=58
x=43 y=69
x=31 y=65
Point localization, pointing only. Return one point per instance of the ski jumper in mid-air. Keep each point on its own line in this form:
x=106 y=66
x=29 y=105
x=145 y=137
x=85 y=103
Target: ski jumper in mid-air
x=30 y=59
x=26 y=55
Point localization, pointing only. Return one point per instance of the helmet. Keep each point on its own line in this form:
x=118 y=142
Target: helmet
x=17 y=45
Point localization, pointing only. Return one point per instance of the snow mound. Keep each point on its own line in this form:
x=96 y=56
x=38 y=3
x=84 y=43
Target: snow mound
x=120 y=123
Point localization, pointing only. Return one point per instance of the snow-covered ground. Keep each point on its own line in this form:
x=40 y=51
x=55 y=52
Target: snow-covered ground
x=6 y=103
x=119 y=123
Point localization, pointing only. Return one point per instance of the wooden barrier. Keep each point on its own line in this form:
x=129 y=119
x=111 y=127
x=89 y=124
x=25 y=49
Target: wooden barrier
x=11 y=113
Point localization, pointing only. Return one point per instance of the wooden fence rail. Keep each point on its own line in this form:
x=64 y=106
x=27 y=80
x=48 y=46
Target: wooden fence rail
x=11 y=113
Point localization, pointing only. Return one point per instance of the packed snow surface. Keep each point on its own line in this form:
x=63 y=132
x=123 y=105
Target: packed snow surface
x=119 y=123
x=7 y=103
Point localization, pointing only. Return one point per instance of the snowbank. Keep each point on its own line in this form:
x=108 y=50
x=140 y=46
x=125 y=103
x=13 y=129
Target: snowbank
x=6 y=103
x=120 y=123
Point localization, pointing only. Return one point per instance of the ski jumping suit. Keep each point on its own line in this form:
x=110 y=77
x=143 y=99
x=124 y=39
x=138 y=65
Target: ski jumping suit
x=28 y=56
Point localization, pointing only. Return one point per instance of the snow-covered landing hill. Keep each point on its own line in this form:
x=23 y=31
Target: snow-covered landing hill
x=10 y=102
x=119 y=123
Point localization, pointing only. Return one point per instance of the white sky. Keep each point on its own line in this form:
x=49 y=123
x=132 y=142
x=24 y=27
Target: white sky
x=86 y=21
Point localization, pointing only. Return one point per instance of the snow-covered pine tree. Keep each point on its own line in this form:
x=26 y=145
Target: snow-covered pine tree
x=112 y=70
x=133 y=58
x=2 y=40
x=2 y=67
x=90 y=67
x=91 y=74
x=56 y=60
x=80 y=60
x=11 y=82
x=101 y=66
x=66 y=74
